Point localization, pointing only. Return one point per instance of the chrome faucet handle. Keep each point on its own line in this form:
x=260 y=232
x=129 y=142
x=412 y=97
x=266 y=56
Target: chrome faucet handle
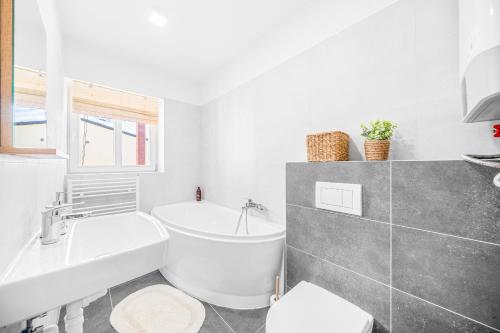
x=260 y=206
x=54 y=210
x=59 y=197
x=57 y=207
x=248 y=202
x=77 y=215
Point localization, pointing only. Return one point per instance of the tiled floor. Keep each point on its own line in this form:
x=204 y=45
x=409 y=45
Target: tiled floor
x=217 y=319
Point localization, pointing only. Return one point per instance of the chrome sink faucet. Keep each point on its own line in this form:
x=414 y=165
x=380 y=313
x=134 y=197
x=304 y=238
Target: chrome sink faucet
x=50 y=232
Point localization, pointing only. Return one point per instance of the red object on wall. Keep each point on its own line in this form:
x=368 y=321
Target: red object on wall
x=141 y=144
x=496 y=129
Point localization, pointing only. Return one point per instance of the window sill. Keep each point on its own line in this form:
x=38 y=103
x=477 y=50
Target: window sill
x=46 y=153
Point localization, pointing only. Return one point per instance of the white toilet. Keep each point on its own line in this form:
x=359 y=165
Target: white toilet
x=309 y=308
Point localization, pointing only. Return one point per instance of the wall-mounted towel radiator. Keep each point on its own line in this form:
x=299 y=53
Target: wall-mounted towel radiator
x=104 y=194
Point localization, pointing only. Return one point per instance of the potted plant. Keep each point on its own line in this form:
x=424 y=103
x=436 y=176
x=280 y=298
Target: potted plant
x=378 y=139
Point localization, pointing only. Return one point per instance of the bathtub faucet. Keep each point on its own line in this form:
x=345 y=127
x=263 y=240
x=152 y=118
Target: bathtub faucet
x=248 y=205
x=251 y=204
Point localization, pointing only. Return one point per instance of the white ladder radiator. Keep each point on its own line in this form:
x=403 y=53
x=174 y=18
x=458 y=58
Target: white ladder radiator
x=103 y=194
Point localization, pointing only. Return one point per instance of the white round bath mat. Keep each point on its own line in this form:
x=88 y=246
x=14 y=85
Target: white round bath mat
x=158 y=309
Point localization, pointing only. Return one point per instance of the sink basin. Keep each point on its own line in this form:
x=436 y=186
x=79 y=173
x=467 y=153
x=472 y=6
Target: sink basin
x=100 y=252
x=98 y=237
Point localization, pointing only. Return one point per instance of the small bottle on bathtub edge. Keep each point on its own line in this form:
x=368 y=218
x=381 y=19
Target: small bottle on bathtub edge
x=198 y=194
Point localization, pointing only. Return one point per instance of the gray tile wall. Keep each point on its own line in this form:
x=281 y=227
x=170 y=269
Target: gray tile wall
x=425 y=256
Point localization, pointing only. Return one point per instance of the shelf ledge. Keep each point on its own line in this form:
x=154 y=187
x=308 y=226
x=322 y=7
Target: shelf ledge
x=492 y=161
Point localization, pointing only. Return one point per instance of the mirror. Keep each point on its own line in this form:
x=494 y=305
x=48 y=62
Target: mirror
x=29 y=120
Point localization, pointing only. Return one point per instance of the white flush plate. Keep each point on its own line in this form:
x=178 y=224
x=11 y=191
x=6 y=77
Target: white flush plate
x=339 y=197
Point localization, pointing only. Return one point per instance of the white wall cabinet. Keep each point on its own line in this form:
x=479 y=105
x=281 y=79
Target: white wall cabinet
x=479 y=25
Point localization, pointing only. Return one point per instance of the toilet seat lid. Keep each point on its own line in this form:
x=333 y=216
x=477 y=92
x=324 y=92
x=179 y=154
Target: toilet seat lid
x=309 y=308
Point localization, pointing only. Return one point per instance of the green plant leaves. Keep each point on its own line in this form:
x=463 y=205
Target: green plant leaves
x=378 y=130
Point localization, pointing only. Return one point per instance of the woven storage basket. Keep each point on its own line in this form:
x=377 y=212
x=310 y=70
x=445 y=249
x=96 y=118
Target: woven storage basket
x=377 y=150
x=328 y=146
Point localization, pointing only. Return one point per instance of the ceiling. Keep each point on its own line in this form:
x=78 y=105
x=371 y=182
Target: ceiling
x=201 y=36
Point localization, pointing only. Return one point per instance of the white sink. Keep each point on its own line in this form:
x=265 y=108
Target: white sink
x=111 y=235
x=100 y=252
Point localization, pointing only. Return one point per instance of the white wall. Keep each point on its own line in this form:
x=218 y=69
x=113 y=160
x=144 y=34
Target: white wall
x=29 y=35
x=96 y=65
x=99 y=66
x=399 y=64
x=319 y=21
x=182 y=159
x=26 y=187
x=29 y=48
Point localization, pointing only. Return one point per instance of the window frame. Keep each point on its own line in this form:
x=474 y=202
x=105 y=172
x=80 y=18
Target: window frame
x=74 y=135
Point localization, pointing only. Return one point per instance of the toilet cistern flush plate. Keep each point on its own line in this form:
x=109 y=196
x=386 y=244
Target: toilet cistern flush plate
x=339 y=197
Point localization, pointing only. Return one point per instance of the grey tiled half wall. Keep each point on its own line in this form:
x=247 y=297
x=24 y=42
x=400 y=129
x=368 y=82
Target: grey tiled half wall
x=425 y=255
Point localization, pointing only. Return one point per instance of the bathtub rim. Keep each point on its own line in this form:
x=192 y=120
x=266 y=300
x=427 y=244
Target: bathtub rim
x=229 y=238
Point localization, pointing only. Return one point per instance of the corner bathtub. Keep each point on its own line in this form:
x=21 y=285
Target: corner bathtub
x=207 y=260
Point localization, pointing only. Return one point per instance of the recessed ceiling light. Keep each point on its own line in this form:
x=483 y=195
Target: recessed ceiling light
x=157 y=18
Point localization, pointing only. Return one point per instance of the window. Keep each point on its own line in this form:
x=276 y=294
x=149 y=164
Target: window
x=96 y=141
x=25 y=131
x=111 y=130
x=29 y=112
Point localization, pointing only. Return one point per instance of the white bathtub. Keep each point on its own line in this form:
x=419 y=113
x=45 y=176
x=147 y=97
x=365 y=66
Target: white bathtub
x=207 y=260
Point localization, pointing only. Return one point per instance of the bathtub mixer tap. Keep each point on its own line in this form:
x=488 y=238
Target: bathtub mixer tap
x=251 y=204
x=248 y=205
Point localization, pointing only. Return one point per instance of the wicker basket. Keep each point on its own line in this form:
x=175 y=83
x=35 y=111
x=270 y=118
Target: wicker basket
x=377 y=150
x=328 y=146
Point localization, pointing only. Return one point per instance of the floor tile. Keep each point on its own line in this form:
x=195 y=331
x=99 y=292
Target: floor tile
x=98 y=312
x=213 y=323
x=96 y=316
x=118 y=293
x=243 y=321
x=262 y=329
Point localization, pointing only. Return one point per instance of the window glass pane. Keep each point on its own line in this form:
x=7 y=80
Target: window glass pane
x=29 y=120
x=96 y=142
x=136 y=143
x=30 y=127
